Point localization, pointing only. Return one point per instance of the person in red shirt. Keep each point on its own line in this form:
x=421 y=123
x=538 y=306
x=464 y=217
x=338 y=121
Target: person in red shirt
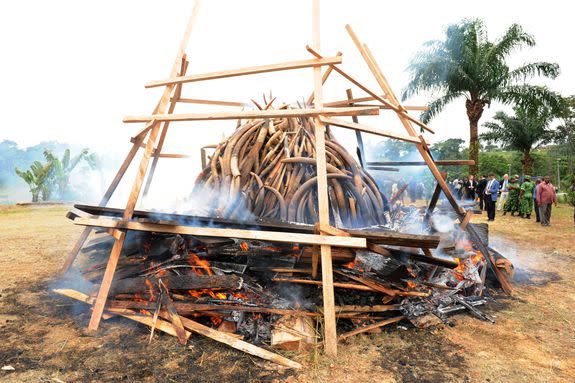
x=546 y=196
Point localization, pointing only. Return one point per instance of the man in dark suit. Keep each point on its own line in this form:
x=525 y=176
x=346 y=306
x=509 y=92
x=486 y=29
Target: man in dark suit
x=469 y=188
x=480 y=189
x=490 y=194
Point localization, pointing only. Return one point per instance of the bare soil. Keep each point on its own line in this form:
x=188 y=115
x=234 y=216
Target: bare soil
x=42 y=337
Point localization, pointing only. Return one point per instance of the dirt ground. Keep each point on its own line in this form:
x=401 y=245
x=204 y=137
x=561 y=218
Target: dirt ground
x=42 y=338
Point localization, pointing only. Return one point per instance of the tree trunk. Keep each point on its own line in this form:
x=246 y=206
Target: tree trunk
x=474 y=111
x=35 y=196
x=527 y=162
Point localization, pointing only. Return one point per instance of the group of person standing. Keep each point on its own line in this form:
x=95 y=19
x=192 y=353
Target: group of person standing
x=514 y=195
x=523 y=198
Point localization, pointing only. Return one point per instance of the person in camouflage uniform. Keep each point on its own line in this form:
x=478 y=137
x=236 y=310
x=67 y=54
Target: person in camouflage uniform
x=512 y=203
x=526 y=198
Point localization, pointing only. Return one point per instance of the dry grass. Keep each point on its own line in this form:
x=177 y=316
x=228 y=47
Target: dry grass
x=532 y=341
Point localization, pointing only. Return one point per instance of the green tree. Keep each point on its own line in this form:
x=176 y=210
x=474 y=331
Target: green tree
x=524 y=131
x=466 y=64
x=38 y=180
x=565 y=136
x=60 y=169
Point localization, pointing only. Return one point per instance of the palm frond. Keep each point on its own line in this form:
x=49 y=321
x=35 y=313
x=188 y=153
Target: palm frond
x=533 y=97
x=545 y=69
x=514 y=38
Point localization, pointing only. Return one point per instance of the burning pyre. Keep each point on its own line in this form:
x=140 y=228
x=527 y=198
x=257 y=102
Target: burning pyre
x=270 y=293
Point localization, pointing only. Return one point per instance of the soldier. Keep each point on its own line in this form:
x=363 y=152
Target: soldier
x=526 y=198
x=512 y=203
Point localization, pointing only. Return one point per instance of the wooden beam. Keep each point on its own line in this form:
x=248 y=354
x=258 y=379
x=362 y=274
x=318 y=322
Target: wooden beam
x=238 y=344
x=382 y=168
x=71 y=256
x=170 y=155
x=191 y=325
x=359 y=100
x=136 y=187
x=316 y=63
x=369 y=129
x=323 y=80
x=422 y=163
x=158 y=150
x=358 y=138
x=373 y=94
x=370 y=327
x=210 y=102
x=466 y=219
x=423 y=150
x=249 y=114
x=330 y=330
x=273 y=236
x=144 y=319
x=434 y=200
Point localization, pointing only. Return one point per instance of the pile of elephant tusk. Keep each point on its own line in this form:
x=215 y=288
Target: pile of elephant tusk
x=267 y=167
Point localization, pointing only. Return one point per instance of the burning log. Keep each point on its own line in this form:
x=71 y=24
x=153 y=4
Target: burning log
x=178 y=282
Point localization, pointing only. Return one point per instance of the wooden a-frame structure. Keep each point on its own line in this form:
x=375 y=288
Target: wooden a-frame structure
x=151 y=138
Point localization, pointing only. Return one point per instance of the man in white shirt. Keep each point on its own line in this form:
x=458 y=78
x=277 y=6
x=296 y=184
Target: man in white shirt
x=504 y=192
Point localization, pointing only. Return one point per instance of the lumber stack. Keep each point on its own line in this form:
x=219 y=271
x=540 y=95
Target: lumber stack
x=267 y=167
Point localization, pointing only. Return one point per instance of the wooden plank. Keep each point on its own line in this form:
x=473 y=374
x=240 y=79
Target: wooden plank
x=330 y=331
x=273 y=236
x=157 y=152
x=388 y=237
x=466 y=219
x=144 y=319
x=71 y=256
x=422 y=163
x=238 y=344
x=370 y=327
x=191 y=325
x=358 y=138
x=170 y=155
x=382 y=168
x=210 y=102
x=251 y=114
x=359 y=100
x=300 y=64
x=369 y=129
x=422 y=148
x=323 y=80
x=373 y=94
x=351 y=286
x=173 y=315
x=136 y=187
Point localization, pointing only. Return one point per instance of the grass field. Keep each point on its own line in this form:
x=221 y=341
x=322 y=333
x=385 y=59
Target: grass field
x=533 y=340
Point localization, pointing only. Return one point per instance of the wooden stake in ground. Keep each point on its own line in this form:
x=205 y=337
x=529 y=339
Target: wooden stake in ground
x=136 y=187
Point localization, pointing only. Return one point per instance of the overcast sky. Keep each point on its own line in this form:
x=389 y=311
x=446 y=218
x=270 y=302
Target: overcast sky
x=70 y=70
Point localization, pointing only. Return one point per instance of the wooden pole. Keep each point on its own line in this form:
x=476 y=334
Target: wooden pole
x=136 y=187
x=424 y=151
x=330 y=331
x=360 y=149
x=157 y=152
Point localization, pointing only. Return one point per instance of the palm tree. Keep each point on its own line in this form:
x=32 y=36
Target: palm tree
x=525 y=131
x=467 y=65
x=38 y=179
x=60 y=170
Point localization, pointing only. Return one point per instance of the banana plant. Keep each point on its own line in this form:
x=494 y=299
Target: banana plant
x=60 y=169
x=38 y=180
